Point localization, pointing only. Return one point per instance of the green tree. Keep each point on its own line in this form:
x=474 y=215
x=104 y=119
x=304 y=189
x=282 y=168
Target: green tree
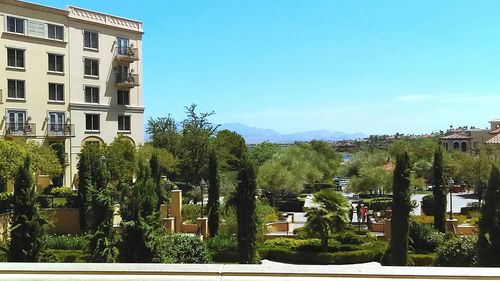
x=230 y=148
x=439 y=191
x=103 y=242
x=58 y=147
x=213 y=194
x=92 y=173
x=165 y=134
x=12 y=155
x=27 y=235
x=489 y=223
x=195 y=143
x=44 y=159
x=329 y=217
x=121 y=160
x=154 y=165
x=141 y=229
x=245 y=212
x=262 y=152
x=401 y=206
x=168 y=163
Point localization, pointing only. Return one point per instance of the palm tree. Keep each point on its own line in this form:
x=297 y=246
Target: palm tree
x=330 y=216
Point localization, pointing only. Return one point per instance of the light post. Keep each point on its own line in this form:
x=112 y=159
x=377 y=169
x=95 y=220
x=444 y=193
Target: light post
x=202 y=186
x=451 y=184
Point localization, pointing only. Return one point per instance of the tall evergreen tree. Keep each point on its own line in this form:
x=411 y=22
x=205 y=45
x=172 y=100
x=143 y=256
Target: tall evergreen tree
x=401 y=206
x=213 y=194
x=27 y=231
x=489 y=223
x=439 y=191
x=154 y=165
x=246 y=191
x=58 y=180
x=141 y=229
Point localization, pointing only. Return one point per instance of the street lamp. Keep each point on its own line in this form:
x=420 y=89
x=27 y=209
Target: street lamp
x=451 y=184
x=202 y=186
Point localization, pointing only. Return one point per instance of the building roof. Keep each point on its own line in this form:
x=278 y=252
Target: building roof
x=455 y=137
x=494 y=132
x=494 y=140
x=495 y=120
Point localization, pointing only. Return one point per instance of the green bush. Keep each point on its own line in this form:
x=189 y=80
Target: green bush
x=423 y=237
x=187 y=249
x=61 y=192
x=67 y=242
x=458 y=251
x=428 y=205
x=6 y=199
x=190 y=212
x=67 y=256
x=288 y=242
x=301 y=232
x=379 y=204
x=289 y=256
x=348 y=237
x=223 y=242
x=422 y=259
x=45 y=201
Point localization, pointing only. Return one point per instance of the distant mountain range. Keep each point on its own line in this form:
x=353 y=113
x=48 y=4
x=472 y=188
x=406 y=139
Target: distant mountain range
x=254 y=135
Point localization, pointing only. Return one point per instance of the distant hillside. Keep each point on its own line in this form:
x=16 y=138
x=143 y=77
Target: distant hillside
x=254 y=135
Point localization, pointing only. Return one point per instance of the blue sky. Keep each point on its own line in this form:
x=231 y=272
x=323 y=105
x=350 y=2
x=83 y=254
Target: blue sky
x=354 y=66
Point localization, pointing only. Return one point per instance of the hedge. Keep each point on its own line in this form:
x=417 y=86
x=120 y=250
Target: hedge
x=428 y=205
x=69 y=256
x=295 y=257
x=423 y=259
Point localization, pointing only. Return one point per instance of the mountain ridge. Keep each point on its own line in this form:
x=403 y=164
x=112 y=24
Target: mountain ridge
x=254 y=135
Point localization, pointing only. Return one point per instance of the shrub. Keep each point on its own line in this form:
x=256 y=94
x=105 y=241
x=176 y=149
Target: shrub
x=301 y=233
x=424 y=237
x=458 y=251
x=428 y=205
x=6 y=199
x=61 y=192
x=187 y=249
x=423 y=259
x=289 y=256
x=348 y=237
x=222 y=242
x=45 y=201
x=190 y=212
x=67 y=256
x=380 y=204
x=289 y=242
x=67 y=242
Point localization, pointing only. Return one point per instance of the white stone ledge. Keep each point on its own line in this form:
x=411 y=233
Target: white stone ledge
x=209 y=272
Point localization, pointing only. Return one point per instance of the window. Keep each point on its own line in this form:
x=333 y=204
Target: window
x=90 y=40
x=123 y=97
x=16 y=122
x=15 y=25
x=91 y=67
x=91 y=94
x=92 y=122
x=15 y=58
x=56 y=92
x=16 y=89
x=56 y=63
x=55 y=32
x=56 y=121
x=123 y=123
x=122 y=46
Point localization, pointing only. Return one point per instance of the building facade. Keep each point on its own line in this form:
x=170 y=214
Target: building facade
x=69 y=76
x=464 y=139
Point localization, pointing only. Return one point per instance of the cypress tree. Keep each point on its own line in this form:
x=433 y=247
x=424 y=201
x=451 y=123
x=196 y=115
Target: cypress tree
x=213 y=194
x=27 y=231
x=439 y=191
x=401 y=206
x=141 y=229
x=246 y=191
x=59 y=149
x=154 y=165
x=489 y=223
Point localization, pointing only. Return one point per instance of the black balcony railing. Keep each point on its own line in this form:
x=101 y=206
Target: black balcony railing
x=127 y=54
x=20 y=129
x=61 y=130
x=127 y=79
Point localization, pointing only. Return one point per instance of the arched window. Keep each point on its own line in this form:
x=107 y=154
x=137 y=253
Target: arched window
x=446 y=145
x=464 y=147
x=456 y=145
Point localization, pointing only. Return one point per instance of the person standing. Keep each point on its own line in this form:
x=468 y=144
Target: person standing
x=364 y=213
x=358 y=212
x=351 y=214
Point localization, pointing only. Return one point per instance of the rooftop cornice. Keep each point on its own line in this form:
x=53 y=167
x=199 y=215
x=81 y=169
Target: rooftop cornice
x=104 y=19
x=36 y=7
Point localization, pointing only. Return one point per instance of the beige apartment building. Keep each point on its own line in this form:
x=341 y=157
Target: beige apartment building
x=69 y=76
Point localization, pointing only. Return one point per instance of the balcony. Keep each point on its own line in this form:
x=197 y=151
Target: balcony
x=20 y=129
x=60 y=130
x=127 y=80
x=125 y=54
